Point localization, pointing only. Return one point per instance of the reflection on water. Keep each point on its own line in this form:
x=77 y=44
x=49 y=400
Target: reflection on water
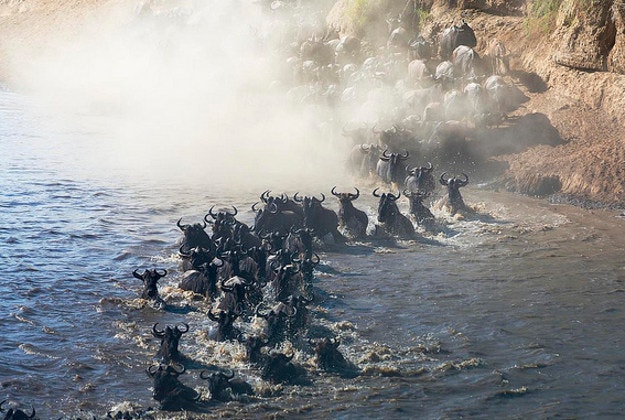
x=515 y=313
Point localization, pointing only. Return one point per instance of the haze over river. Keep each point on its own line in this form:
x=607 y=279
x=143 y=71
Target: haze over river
x=517 y=312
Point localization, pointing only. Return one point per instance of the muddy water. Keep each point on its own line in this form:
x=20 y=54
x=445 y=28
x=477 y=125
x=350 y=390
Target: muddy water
x=513 y=312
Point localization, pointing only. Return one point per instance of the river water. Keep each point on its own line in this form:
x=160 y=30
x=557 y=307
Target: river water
x=514 y=312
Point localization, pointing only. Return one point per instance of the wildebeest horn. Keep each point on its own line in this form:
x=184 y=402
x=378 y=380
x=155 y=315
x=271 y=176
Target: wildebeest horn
x=284 y=198
x=264 y=196
x=156 y=332
x=235 y=212
x=137 y=275
x=323 y=198
x=335 y=342
x=334 y=193
x=272 y=208
x=354 y=196
x=375 y=193
x=404 y=157
x=254 y=207
x=395 y=128
x=177 y=371
x=183 y=253
x=212 y=316
x=258 y=313
x=180 y=330
x=394 y=197
x=443 y=180
x=466 y=179
x=289 y=358
x=152 y=369
x=385 y=153
x=210 y=213
x=430 y=167
x=203 y=373
x=181 y=226
x=228 y=376
x=407 y=193
x=373 y=129
x=162 y=270
x=296 y=198
x=293 y=311
x=365 y=147
x=224 y=287
x=313 y=261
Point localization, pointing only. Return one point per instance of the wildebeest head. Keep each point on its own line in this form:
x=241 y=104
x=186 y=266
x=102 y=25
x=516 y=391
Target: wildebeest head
x=330 y=358
x=422 y=214
x=390 y=169
x=194 y=258
x=420 y=179
x=225 y=324
x=219 y=383
x=170 y=338
x=345 y=198
x=279 y=369
x=16 y=413
x=253 y=346
x=150 y=279
x=453 y=185
x=194 y=236
x=168 y=390
x=387 y=208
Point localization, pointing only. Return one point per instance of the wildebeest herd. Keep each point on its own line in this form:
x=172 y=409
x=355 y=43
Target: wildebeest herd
x=264 y=273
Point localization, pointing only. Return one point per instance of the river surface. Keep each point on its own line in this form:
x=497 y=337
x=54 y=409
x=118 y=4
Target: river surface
x=516 y=312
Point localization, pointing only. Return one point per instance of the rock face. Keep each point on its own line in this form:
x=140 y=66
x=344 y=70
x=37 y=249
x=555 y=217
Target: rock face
x=587 y=31
x=616 y=58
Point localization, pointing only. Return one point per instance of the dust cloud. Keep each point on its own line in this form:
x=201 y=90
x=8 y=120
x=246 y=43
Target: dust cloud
x=182 y=92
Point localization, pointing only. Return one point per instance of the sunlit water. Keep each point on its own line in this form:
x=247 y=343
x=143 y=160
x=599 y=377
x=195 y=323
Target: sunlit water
x=516 y=312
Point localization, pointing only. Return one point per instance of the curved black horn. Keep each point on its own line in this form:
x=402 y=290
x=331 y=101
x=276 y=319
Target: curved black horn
x=430 y=167
x=354 y=196
x=152 y=369
x=161 y=270
x=183 y=253
x=385 y=153
x=466 y=179
x=202 y=374
x=407 y=193
x=235 y=212
x=443 y=180
x=258 y=313
x=254 y=207
x=210 y=213
x=228 y=376
x=181 y=226
x=212 y=316
x=137 y=275
x=180 y=330
x=296 y=198
x=323 y=198
x=317 y=257
x=264 y=196
x=375 y=194
x=404 y=156
x=272 y=208
x=334 y=193
x=178 y=371
x=156 y=332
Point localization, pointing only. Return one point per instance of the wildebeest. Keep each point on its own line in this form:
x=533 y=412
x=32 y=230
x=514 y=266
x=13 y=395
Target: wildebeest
x=253 y=347
x=330 y=359
x=172 y=394
x=195 y=236
x=498 y=93
x=170 y=338
x=389 y=167
x=272 y=219
x=321 y=219
x=224 y=388
x=300 y=242
x=467 y=62
x=420 y=179
x=277 y=322
x=454 y=36
x=278 y=368
x=419 y=74
x=193 y=258
x=202 y=280
x=225 y=330
x=454 y=198
x=420 y=48
x=422 y=214
x=363 y=158
x=351 y=219
x=499 y=57
x=150 y=288
x=16 y=413
x=391 y=218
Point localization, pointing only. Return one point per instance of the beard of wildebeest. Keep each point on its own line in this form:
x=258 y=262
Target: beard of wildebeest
x=170 y=338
